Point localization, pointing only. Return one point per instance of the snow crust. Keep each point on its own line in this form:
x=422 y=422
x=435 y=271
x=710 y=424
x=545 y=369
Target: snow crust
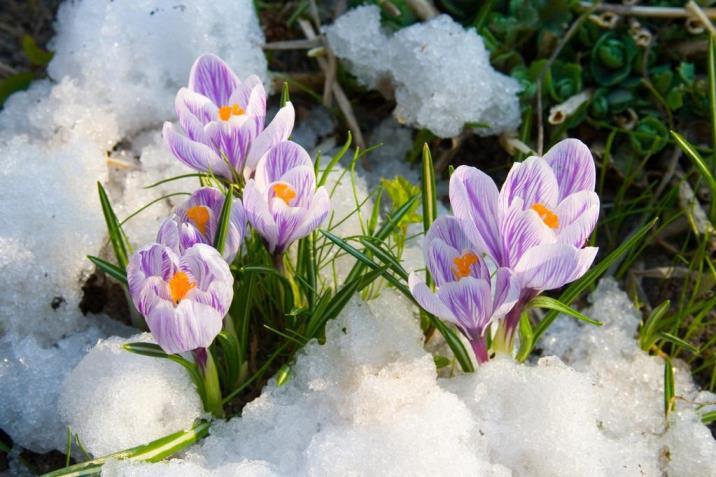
x=437 y=86
x=369 y=402
x=114 y=399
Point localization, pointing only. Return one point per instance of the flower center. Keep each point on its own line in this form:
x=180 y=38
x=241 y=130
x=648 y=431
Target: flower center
x=200 y=216
x=226 y=111
x=463 y=264
x=284 y=192
x=548 y=217
x=179 y=286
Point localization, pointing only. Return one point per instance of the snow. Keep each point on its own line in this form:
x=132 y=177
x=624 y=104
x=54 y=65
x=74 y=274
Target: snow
x=114 y=399
x=437 y=86
x=369 y=402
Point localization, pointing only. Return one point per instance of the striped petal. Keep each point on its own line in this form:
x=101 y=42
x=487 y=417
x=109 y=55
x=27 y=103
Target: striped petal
x=573 y=166
x=428 y=300
x=196 y=155
x=277 y=131
x=532 y=181
x=547 y=267
x=578 y=215
x=213 y=78
x=259 y=216
x=280 y=159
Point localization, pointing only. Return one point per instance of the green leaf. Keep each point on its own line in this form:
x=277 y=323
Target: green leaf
x=701 y=166
x=14 y=83
x=35 y=55
x=678 y=341
x=4 y=447
x=712 y=96
x=527 y=337
x=222 y=230
x=284 y=94
x=116 y=236
x=550 y=303
x=334 y=160
x=441 y=361
x=589 y=278
x=612 y=57
x=110 y=269
x=669 y=391
x=650 y=136
x=176 y=178
x=282 y=375
x=453 y=341
x=400 y=189
x=648 y=332
x=708 y=417
x=151 y=452
x=385 y=256
x=430 y=200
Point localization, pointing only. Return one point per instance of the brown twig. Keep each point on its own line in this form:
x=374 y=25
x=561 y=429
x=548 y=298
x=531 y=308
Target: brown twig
x=642 y=11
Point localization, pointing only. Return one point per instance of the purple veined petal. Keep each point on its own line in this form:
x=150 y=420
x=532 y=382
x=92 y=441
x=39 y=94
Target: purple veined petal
x=531 y=180
x=474 y=200
x=277 y=131
x=213 y=78
x=189 y=326
x=521 y=230
x=302 y=180
x=195 y=155
x=153 y=294
x=193 y=127
x=470 y=300
x=288 y=219
x=547 y=267
x=278 y=160
x=197 y=105
x=205 y=267
x=429 y=300
x=233 y=139
x=450 y=230
x=578 y=215
x=439 y=258
x=189 y=235
x=316 y=214
x=259 y=216
x=573 y=166
x=155 y=260
x=237 y=231
x=506 y=292
x=252 y=85
x=168 y=234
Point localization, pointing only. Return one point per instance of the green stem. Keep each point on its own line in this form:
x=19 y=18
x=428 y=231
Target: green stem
x=213 y=402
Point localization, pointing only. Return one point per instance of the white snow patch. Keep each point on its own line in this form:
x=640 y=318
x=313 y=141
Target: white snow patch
x=114 y=399
x=437 y=86
x=369 y=403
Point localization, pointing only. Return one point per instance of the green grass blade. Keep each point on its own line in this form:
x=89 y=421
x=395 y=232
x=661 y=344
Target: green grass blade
x=222 y=230
x=430 y=200
x=285 y=98
x=456 y=346
x=385 y=256
x=116 y=236
x=648 y=332
x=176 y=178
x=708 y=417
x=527 y=337
x=334 y=160
x=712 y=99
x=696 y=158
x=669 y=391
x=580 y=286
x=110 y=269
x=550 y=303
x=155 y=351
x=673 y=339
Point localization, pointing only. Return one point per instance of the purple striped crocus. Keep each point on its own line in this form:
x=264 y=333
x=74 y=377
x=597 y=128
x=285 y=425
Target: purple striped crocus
x=538 y=223
x=466 y=293
x=183 y=297
x=222 y=119
x=196 y=220
x=281 y=201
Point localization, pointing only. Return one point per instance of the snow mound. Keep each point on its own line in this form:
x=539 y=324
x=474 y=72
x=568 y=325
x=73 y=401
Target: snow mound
x=369 y=403
x=114 y=399
x=437 y=86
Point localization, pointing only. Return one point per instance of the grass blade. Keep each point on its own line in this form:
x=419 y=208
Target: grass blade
x=222 y=228
x=334 y=160
x=110 y=269
x=116 y=236
x=550 y=303
x=648 y=332
x=430 y=201
x=712 y=98
x=456 y=346
x=527 y=338
x=669 y=391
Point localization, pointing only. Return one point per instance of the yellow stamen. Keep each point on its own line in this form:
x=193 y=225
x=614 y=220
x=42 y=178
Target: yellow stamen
x=200 y=216
x=226 y=111
x=179 y=286
x=284 y=192
x=548 y=217
x=463 y=264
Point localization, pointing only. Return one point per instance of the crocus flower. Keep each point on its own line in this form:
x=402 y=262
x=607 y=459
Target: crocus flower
x=183 y=297
x=197 y=220
x=223 y=121
x=538 y=222
x=466 y=294
x=282 y=202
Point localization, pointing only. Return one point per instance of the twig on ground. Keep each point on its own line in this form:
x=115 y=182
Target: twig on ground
x=699 y=13
x=424 y=9
x=644 y=11
x=293 y=45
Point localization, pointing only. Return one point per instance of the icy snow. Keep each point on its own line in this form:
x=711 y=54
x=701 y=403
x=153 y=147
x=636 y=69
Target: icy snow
x=114 y=399
x=437 y=86
x=368 y=402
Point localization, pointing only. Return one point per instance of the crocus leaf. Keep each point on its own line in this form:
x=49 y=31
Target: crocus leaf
x=35 y=55
x=222 y=228
x=698 y=161
x=678 y=341
x=385 y=256
x=14 y=83
x=116 y=236
x=285 y=98
x=648 y=332
x=669 y=388
x=430 y=200
x=550 y=303
x=453 y=341
x=708 y=417
x=441 y=361
x=110 y=269
x=527 y=337
x=152 y=452
x=283 y=374
x=334 y=160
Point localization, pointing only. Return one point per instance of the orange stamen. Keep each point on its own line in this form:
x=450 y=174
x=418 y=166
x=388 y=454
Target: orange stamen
x=548 y=217
x=200 y=216
x=463 y=264
x=284 y=192
x=226 y=111
x=179 y=286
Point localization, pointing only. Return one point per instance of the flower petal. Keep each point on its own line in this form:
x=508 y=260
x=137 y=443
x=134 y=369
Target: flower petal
x=258 y=214
x=288 y=219
x=155 y=260
x=506 y=292
x=573 y=166
x=233 y=139
x=531 y=180
x=317 y=212
x=213 y=78
x=551 y=266
x=474 y=200
x=470 y=300
x=280 y=159
x=194 y=154
x=251 y=86
x=521 y=230
x=429 y=300
x=578 y=215
x=189 y=326
x=277 y=131
x=203 y=264
x=302 y=179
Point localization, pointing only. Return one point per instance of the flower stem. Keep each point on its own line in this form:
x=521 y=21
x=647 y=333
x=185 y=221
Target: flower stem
x=479 y=347
x=211 y=383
